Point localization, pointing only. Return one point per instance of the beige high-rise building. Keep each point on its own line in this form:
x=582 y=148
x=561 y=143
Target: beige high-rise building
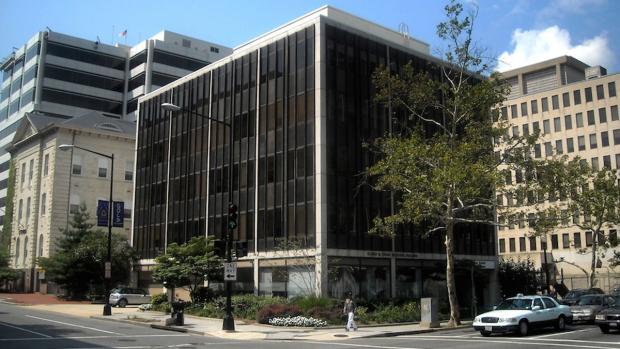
x=51 y=184
x=575 y=107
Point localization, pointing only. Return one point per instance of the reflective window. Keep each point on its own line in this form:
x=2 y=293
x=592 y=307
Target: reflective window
x=33 y=51
x=600 y=92
x=82 y=101
x=137 y=59
x=588 y=91
x=612 y=89
x=602 y=115
x=30 y=73
x=83 y=78
x=83 y=55
x=177 y=61
x=136 y=82
x=577 y=97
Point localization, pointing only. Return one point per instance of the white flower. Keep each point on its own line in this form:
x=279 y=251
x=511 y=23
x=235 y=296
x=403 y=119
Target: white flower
x=297 y=321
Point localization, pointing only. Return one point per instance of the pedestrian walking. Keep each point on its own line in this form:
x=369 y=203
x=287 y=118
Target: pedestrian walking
x=349 y=312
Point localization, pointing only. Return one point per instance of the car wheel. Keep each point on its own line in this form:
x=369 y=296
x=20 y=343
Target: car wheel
x=485 y=333
x=560 y=324
x=122 y=303
x=524 y=328
x=604 y=329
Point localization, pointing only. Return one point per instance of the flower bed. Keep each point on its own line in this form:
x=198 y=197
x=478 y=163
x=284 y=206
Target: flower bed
x=297 y=321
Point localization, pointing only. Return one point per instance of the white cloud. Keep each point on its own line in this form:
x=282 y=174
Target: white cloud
x=532 y=46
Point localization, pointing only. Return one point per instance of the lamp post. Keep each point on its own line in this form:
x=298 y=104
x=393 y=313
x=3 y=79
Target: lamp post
x=229 y=321
x=107 y=309
x=543 y=240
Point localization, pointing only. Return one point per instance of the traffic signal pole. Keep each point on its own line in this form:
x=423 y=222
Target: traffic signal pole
x=229 y=320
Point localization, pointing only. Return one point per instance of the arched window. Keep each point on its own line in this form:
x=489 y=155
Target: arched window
x=16 y=251
x=40 y=245
x=25 y=249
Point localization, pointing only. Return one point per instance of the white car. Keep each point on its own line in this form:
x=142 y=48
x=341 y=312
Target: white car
x=520 y=314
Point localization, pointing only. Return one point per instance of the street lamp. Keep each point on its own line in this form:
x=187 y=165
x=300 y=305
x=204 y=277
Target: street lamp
x=107 y=309
x=543 y=240
x=229 y=321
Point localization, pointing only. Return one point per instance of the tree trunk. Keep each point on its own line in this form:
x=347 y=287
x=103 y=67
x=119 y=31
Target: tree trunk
x=593 y=264
x=455 y=316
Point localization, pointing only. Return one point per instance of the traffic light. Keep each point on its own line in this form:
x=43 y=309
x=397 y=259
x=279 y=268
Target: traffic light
x=241 y=248
x=232 y=216
x=219 y=248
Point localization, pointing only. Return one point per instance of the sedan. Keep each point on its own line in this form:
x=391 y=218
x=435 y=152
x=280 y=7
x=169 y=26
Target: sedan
x=588 y=306
x=519 y=314
x=609 y=319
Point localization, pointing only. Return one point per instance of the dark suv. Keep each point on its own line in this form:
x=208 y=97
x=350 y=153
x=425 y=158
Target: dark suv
x=573 y=295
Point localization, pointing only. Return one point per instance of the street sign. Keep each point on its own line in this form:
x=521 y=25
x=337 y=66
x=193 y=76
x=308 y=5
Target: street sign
x=108 y=270
x=230 y=271
x=102 y=213
x=118 y=214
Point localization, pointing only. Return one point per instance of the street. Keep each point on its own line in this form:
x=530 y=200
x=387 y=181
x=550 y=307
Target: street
x=21 y=327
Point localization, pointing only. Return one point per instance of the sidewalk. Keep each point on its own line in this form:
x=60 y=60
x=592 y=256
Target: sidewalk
x=209 y=326
x=213 y=327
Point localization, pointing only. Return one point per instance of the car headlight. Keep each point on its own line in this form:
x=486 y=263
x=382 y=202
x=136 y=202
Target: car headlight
x=600 y=316
x=477 y=319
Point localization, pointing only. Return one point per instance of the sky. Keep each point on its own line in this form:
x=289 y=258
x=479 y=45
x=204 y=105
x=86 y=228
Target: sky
x=513 y=33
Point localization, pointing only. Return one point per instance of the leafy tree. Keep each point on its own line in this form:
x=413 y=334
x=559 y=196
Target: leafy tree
x=79 y=261
x=440 y=162
x=588 y=199
x=518 y=277
x=6 y=272
x=7 y=227
x=190 y=264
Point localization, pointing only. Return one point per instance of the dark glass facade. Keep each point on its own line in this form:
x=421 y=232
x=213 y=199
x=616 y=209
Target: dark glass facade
x=269 y=97
x=199 y=166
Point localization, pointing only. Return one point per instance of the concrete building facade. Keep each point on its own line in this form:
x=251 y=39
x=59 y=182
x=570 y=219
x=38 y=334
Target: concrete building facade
x=299 y=99
x=62 y=75
x=51 y=184
x=575 y=107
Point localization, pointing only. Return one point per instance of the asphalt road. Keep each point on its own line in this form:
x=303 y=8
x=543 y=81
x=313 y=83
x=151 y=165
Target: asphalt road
x=21 y=327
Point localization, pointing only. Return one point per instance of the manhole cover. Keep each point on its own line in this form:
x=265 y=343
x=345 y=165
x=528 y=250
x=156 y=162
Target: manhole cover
x=341 y=335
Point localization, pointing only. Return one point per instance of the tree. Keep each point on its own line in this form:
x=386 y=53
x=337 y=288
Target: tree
x=440 y=162
x=590 y=197
x=7 y=227
x=6 y=273
x=301 y=268
x=78 y=263
x=190 y=264
x=518 y=277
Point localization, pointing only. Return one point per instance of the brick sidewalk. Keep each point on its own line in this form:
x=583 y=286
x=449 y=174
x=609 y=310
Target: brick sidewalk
x=36 y=298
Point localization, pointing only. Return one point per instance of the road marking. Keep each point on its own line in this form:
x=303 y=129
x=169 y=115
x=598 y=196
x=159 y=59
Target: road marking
x=543 y=343
x=74 y=325
x=96 y=337
x=557 y=334
x=23 y=329
x=354 y=345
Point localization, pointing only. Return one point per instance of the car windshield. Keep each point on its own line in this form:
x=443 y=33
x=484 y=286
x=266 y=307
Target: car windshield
x=115 y=290
x=515 y=304
x=590 y=300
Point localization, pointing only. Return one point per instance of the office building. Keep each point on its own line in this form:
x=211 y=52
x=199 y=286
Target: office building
x=575 y=107
x=51 y=184
x=300 y=101
x=62 y=75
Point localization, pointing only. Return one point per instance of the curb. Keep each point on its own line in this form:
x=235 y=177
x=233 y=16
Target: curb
x=155 y=326
x=413 y=332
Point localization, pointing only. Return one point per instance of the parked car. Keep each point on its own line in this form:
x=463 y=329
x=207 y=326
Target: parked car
x=573 y=295
x=609 y=318
x=589 y=305
x=122 y=296
x=520 y=314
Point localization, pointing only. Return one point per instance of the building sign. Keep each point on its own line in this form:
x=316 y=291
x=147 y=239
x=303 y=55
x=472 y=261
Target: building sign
x=485 y=264
x=118 y=213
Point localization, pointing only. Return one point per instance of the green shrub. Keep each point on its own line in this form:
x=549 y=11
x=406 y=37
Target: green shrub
x=276 y=310
x=390 y=313
x=159 y=299
x=362 y=315
x=202 y=295
x=205 y=310
x=163 y=307
x=332 y=315
x=313 y=302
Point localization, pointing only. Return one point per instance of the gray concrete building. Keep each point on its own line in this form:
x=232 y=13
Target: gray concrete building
x=67 y=76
